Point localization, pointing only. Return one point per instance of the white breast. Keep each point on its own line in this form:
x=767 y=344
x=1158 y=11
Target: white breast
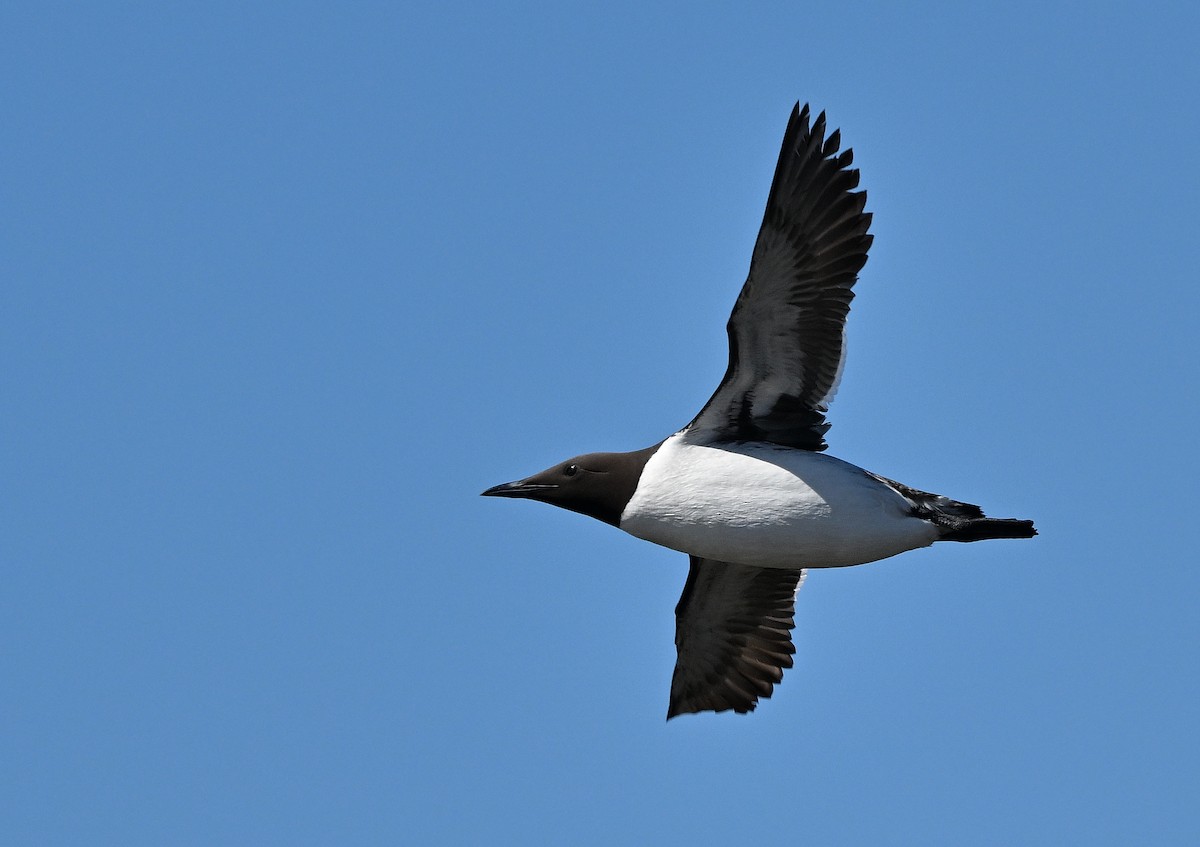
x=769 y=506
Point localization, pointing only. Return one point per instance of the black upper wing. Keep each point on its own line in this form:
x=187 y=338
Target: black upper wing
x=733 y=630
x=786 y=343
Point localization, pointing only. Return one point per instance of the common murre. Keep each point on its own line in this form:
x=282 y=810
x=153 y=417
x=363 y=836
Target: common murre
x=744 y=489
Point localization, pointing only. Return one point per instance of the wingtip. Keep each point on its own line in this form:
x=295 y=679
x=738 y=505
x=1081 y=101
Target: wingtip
x=798 y=121
x=674 y=710
x=818 y=127
x=832 y=143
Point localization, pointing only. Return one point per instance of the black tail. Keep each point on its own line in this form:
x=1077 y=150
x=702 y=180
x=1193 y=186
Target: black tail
x=960 y=521
x=981 y=529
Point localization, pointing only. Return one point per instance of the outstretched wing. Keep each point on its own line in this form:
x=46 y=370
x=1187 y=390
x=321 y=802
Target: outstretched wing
x=733 y=630
x=786 y=341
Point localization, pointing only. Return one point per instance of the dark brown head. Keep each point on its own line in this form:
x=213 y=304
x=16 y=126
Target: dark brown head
x=598 y=485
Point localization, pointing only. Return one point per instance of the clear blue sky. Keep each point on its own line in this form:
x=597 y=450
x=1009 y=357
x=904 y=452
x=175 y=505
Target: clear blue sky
x=285 y=286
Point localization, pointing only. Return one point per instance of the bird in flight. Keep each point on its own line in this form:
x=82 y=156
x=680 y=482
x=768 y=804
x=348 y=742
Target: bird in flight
x=745 y=489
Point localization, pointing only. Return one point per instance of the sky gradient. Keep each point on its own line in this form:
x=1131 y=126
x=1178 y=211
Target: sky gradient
x=286 y=286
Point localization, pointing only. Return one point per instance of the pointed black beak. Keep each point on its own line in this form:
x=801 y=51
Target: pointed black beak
x=518 y=489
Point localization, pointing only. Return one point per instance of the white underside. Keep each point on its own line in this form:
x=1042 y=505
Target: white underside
x=769 y=506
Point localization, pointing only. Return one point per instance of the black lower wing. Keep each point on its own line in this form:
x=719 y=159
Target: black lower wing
x=733 y=634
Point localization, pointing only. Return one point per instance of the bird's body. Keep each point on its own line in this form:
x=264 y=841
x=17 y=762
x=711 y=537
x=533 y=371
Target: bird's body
x=745 y=489
x=771 y=506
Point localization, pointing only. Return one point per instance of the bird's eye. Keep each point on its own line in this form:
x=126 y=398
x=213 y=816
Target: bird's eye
x=571 y=470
